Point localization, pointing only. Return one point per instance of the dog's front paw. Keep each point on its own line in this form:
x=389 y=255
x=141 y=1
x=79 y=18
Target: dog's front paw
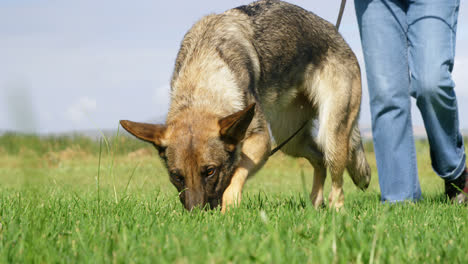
x=231 y=199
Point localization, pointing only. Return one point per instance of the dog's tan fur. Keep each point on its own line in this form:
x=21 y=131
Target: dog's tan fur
x=235 y=74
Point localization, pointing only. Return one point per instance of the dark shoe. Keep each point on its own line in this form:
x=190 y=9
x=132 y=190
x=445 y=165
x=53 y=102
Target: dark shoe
x=457 y=190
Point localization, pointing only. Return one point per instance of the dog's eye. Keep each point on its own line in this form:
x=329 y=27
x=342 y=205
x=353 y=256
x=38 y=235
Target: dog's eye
x=210 y=171
x=176 y=176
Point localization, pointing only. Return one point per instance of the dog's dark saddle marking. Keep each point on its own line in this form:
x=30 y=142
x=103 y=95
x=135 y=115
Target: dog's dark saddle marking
x=254 y=9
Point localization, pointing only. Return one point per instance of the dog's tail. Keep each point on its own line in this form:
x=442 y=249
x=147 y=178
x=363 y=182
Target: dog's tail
x=357 y=166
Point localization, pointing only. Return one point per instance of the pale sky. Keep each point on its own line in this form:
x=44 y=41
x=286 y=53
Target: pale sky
x=83 y=65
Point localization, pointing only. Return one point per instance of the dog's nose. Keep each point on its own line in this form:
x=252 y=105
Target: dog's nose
x=193 y=199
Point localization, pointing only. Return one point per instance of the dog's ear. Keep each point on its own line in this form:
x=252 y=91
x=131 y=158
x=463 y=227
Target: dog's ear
x=233 y=127
x=147 y=132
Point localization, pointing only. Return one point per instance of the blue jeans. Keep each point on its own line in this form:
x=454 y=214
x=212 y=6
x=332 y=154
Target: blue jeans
x=409 y=50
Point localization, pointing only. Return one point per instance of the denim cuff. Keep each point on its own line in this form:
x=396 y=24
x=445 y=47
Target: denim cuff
x=456 y=172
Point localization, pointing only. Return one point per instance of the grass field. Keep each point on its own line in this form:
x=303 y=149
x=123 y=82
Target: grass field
x=60 y=201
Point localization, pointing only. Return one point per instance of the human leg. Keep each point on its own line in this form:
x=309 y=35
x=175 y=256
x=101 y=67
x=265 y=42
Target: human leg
x=383 y=30
x=431 y=35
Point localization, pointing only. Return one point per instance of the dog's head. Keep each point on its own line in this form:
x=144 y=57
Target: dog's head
x=200 y=151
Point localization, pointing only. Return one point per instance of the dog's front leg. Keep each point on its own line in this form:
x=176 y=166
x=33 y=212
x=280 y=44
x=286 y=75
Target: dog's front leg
x=255 y=152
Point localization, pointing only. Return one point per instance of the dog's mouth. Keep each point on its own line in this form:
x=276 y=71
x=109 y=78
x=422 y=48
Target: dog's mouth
x=209 y=203
x=214 y=203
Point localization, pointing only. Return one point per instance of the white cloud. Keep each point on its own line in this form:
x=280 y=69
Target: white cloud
x=81 y=109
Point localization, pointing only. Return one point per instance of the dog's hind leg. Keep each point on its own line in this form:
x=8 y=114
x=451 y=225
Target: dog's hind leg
x=315 y=156
x=255 y=152
x=338 y=111
x=320 y=173
x=336 y=157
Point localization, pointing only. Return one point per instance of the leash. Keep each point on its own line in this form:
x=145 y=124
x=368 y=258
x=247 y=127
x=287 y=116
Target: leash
x=288 y=139
x=340 y=14
x=338 y=22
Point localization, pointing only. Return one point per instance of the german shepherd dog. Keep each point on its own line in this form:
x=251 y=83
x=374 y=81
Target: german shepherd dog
x=267 y=63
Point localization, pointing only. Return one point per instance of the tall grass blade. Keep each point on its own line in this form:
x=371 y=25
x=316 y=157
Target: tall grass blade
x=98 y=183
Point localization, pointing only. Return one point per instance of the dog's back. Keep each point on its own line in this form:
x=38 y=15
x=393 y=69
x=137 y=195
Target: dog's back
x=266 y=45
x=288 y=39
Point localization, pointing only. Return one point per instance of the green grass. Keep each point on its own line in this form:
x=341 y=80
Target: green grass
x=56 y=207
